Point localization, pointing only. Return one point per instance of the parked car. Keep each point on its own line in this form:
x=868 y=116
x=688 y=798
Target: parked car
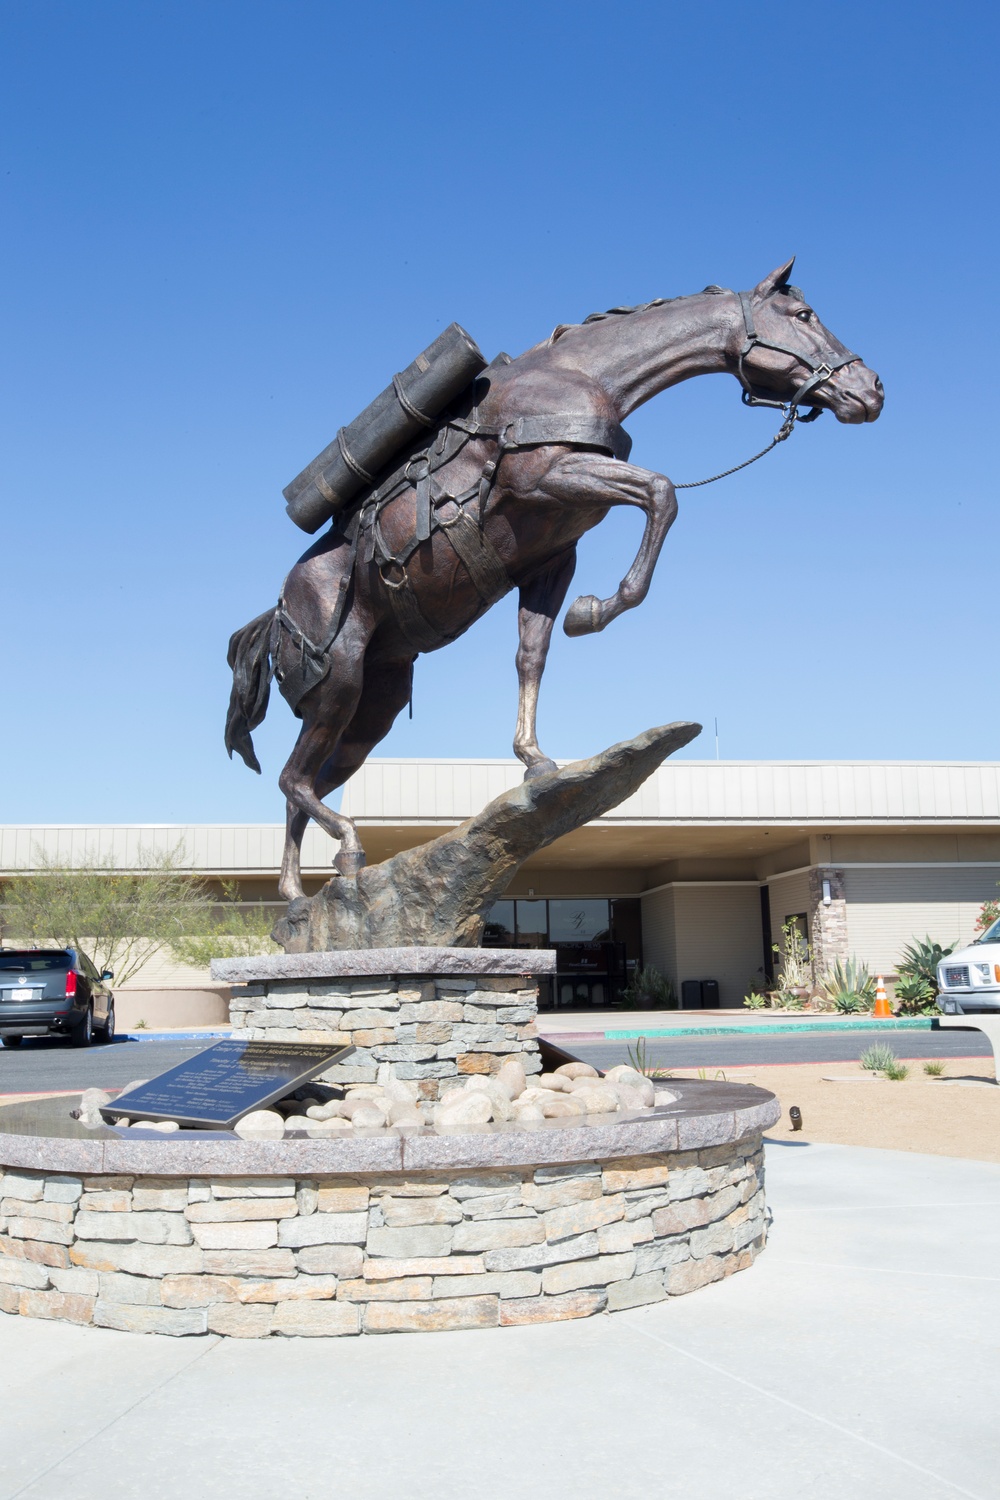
x=54 y=992
x=969 y=980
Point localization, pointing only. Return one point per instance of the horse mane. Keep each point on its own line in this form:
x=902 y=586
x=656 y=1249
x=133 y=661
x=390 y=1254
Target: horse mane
x=624 y=312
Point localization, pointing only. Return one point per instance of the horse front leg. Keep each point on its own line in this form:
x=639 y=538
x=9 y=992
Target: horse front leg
x=580 y=479
x=540 y=601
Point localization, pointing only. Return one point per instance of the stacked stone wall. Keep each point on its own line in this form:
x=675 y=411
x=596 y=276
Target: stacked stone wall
x=377 y=1253
x=428 y=1030
x=828 y=938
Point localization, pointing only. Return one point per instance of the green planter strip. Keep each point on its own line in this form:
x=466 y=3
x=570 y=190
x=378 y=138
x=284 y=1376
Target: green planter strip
x=776 y=1028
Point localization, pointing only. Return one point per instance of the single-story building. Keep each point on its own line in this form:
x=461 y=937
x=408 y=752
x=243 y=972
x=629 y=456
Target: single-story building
x=695 y=874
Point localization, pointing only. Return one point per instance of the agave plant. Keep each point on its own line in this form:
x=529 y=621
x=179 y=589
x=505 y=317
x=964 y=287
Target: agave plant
x=849 y=977
x=914 y=995
x=920 y=960
x=850 y=1002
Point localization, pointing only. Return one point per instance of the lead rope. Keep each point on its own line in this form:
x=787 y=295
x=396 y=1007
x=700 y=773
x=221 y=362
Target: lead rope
x=784 y=431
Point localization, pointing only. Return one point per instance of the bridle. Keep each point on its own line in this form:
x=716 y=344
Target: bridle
x=819 y=371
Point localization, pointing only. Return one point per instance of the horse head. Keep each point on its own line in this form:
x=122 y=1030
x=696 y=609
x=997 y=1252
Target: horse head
x=787 y=356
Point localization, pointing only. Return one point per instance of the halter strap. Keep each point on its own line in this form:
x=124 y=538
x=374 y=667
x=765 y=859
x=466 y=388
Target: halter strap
x=820 y=370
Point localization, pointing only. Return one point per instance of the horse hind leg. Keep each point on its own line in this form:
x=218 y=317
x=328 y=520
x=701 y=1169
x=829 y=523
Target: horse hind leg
x=290 y=880
x=327 y=709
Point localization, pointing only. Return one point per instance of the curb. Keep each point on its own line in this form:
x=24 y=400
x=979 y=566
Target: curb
x=172 y=1036
x=908 y=1023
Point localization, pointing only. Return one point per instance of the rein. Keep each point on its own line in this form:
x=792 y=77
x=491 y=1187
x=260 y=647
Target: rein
x=784 y=431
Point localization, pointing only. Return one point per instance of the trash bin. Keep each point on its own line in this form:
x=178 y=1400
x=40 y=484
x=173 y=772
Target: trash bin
x=710 y=994
x=691 y=994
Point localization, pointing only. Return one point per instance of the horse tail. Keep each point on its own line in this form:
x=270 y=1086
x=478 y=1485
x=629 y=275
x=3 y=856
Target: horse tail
x=249 y=656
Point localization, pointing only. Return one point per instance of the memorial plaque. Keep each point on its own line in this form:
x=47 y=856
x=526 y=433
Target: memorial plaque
x=225 y=1082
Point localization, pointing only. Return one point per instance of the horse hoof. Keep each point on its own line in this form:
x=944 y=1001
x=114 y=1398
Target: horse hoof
x=540 y=768
x=583 y=616
x=349 y=862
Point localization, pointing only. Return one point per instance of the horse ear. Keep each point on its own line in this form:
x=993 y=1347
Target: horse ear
x=775 y=282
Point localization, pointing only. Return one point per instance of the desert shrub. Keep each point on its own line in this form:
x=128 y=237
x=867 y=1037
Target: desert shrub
x=878 y=1057
x=934 y=1069
x=896 y=1072
x=794 y=959
x=756 y=1001
x=648 y=989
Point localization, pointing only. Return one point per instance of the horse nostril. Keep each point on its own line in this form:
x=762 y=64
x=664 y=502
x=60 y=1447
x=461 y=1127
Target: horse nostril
x=879 y=390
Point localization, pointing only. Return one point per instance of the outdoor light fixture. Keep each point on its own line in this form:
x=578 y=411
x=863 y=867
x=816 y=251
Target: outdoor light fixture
x=795 y=1115
x=826 y=893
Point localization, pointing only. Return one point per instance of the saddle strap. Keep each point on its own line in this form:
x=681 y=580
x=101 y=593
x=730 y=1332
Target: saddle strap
x=413 y=626
x=480 y=558
x=567 y=430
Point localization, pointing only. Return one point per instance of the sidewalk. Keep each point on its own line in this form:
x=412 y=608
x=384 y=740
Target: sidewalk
x=619 y=1025
x=857 y=1358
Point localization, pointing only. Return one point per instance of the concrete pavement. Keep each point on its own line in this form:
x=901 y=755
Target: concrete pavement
x=858 y=1358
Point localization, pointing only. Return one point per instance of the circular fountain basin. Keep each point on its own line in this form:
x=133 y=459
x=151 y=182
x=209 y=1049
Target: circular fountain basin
x=385 y=1231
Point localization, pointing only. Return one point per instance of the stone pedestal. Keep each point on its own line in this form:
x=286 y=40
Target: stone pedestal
x=425 y=1015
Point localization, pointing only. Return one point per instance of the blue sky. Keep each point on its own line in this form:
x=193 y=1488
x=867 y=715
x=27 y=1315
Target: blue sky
x=227 y=224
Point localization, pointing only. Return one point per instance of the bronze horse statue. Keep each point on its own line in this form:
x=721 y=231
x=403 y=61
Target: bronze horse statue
x=498 y=499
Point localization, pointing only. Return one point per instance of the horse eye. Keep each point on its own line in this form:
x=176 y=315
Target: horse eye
x=804 y=317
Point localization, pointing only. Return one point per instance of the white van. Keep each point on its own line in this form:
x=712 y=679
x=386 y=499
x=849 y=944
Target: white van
x=969 y=980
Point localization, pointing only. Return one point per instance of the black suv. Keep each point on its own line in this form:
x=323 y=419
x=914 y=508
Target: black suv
x=54 y=992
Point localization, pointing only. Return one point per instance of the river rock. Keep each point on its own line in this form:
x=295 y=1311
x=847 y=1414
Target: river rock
x=328 y=1111
x=554 y=1081
x=598 y=1100
x=560 y=1106
x=261 y=1122
x=638 y=1095
x=464 y=1107
x=576 y=1070
x=335 y=1125
x=512 y=1078
x=495 y=1092
x=624 y=1074
x=371 y=1114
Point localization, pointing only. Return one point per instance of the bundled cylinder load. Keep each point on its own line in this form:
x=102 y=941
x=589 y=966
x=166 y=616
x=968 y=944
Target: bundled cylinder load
x=409 y=406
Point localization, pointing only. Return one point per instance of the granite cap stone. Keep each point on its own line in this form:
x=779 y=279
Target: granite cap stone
x=349 y=963
x=45 y=1138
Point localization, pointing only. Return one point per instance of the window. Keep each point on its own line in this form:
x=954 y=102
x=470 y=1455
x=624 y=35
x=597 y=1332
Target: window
x=532 y=925
x=33 y=963
x=499 y=929
x=578 y=921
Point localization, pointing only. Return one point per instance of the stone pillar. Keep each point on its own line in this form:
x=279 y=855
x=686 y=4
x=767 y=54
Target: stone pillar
x=427 y=1015
x=827 y=921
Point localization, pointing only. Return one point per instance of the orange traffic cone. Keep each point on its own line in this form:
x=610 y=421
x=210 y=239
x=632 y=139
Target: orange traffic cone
x=882 y=1007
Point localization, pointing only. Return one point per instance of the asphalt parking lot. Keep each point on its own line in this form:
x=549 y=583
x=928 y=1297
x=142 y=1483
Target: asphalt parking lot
x=41 y=1065
x=38 y=1066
